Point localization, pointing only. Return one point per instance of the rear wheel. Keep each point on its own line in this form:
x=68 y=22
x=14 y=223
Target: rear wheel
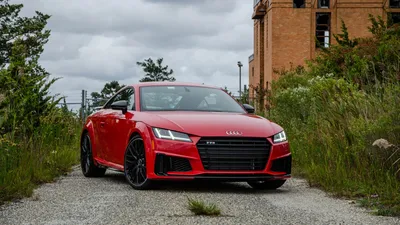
x=266 y=185
x=135 y=164
x=89 y=169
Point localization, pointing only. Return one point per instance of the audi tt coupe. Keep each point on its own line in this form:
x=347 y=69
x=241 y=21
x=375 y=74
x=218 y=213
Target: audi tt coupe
x=180 y=131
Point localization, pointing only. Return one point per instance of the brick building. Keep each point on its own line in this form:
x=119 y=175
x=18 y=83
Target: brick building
x=285 y=30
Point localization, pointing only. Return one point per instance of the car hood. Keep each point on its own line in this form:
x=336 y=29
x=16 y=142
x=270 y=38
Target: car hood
x=213 y=123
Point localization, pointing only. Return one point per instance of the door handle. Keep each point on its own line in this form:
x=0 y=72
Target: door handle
x=102 y=124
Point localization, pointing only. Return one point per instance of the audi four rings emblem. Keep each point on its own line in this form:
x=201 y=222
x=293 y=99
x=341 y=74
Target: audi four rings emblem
x=230 y=132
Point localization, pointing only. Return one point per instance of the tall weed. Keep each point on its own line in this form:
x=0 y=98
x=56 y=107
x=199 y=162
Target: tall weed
x=333 y=112
x=38 y=141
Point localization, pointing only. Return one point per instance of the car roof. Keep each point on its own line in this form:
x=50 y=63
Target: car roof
x=172 y=83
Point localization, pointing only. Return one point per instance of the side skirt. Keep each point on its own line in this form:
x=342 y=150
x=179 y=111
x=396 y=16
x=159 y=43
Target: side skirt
x=110 y=165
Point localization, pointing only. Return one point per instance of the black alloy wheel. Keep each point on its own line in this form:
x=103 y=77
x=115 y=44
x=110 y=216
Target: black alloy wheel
x=135 y=164
x=89 y=169
x=266 y=185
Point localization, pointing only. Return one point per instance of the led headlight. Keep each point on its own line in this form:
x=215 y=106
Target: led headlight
x=171 y=135
x=280 y=137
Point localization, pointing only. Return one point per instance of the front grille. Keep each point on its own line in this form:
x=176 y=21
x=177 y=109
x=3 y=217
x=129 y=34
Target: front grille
x=247 y=154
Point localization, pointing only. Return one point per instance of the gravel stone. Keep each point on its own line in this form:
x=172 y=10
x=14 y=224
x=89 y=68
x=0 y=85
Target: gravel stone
x=75 y=199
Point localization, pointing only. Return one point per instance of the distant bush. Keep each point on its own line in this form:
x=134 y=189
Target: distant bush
x=337 y=107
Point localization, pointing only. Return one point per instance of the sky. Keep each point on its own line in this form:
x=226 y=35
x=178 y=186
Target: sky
x=93 y=42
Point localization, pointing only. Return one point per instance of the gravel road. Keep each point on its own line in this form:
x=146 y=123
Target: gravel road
x=75 y=199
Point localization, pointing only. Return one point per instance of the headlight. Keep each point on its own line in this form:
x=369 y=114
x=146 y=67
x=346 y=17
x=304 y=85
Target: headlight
x=171 y=135
x=280 y=137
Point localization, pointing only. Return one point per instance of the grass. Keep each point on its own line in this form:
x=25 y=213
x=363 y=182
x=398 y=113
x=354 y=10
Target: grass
x=333 y=146
x=51 y=152
x=333 y=112
x=199 y=207
x=38 y=140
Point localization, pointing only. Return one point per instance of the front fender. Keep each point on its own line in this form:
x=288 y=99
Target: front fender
x=147 y=135
x=89 y=128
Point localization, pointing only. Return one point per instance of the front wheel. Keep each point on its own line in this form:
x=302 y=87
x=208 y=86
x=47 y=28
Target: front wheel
x=135 y=164
x=89 y=169
x=266 y=185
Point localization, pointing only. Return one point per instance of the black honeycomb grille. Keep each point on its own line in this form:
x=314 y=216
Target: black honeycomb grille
x=239 y=154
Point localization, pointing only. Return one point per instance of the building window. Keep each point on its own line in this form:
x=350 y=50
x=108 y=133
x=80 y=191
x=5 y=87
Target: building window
x=394 y=4
x=252 y=71
x=322 y=29
x=323 y=4
x=299 y=3
x=393 y=17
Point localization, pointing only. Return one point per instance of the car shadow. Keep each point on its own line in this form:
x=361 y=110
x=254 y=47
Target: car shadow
x=197 y=186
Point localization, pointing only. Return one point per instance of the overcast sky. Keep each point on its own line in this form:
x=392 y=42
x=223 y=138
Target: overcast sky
x=95 y=41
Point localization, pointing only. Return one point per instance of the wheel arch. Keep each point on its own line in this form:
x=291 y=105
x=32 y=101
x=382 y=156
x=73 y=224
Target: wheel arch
x=89 y=129
x=140 y=129
x=144 y=131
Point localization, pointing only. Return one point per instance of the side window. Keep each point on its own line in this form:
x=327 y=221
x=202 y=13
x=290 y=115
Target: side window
x=128 y=95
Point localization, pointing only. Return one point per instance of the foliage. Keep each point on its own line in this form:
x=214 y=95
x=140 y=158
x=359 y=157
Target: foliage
x=106 y=93
x=336 y=109
x=35 y=136
x=30 y=32
x=155 y=71
x=244 y=99
x=25 y=92
x=343 y=38
x=201 y=208
x=227 y=91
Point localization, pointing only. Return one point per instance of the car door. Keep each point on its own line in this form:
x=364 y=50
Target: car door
x=99 y=132
x=118 y=126
x=103 y=129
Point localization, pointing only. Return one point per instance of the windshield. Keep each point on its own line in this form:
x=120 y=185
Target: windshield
x=187 y=98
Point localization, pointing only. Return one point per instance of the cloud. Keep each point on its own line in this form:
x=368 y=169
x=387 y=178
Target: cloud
x=96 y=41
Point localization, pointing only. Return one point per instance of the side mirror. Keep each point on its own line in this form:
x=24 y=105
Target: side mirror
x=248 y=108
x=120 y=105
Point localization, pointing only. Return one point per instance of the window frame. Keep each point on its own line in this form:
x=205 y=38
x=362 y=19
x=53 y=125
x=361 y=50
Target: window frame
x=301 y=7
x=328 y=26
x=120 y=92
x=394 y=6
x=390 y=18
x=324 y=7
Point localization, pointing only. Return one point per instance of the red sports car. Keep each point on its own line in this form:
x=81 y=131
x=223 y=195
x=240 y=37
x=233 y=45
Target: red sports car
x=178 y=131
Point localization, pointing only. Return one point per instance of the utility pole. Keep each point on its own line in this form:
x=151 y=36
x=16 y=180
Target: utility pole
x=248 y=95
x=240 y=78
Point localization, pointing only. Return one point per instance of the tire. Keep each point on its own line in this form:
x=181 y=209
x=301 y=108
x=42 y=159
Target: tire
x=266 y=185
x=135 y=164
x=89 y=169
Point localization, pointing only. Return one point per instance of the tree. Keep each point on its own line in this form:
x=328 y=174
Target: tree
x=106 y=93
x=244 y=99
x=24 y=84
x=155 y=71
x=29 y=31
x=227 y=91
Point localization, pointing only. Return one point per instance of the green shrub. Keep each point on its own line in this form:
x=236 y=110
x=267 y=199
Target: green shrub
x=38 y=141
x=333 y=112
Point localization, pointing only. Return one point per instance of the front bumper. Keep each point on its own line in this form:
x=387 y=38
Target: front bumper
x=182 y=161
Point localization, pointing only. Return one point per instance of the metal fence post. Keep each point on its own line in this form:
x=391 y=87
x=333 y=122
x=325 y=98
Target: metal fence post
x=83 y=107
